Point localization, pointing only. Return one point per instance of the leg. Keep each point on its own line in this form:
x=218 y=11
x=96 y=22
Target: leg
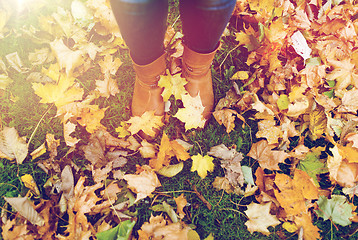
x=142 y=24
x=204 y=21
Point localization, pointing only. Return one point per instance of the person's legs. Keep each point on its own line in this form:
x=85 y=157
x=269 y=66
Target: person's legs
x=204 y=21
x=142 y=24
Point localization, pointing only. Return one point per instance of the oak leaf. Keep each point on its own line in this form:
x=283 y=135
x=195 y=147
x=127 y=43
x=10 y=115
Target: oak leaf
x=181 y=203
x=192 y=113
x=260 y=218
x=147 y=122
x=202 y=164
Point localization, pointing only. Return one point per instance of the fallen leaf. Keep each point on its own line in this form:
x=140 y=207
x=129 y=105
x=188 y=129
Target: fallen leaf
x=147 y=150
x=13 y=146
x=30 y=183
x=144 y=183
x=173 y=85
x=202 y=164
x=109 y=65
x=171 y=170
x=107 y=87
x=267 y=158
x=5 y=81
x=38 y=151
x=318 y=122
x=310 y=231
x=121 y=231
x=147 y=122
x=192 y=113
x=222 y=183
x=337 y=209
x=24 y=207
x=181 y=203
x=260 y=218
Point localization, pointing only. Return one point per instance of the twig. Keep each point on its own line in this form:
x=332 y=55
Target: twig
x=227 y=56
x=200 y=196
x=38 y=124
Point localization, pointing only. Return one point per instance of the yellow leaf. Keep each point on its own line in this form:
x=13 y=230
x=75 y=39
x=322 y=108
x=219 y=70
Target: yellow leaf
x=290 y=227
x=240 y=75
x=171 y=170
x=122 y=130
x=91 y=118
x=350 y=153
x=318 y=122
x=192 y=113
x=202 y=164
x=30 y=183
x=38 y=151
x=173 y=85
x=181 y=203
x=268 y=130
x=107 y=87
x=147 y=122
x=4 y=81
x=60 y=94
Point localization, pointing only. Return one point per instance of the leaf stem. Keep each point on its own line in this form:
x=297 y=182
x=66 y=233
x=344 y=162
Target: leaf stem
x=38 y=124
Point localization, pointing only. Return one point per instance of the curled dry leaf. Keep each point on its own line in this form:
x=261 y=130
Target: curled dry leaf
x=30 y=183
x=181 y=203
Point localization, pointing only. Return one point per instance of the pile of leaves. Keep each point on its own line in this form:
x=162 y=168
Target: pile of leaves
x=300 y=87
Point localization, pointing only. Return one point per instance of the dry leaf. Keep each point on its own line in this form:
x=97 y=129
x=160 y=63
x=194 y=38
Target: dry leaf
x=181 y=203
x=267 y=158
x=38 y=151
x=148 y=122
x=24 y=207
x=143 y=183
x=173 y=85
x=192 y=113
x=107 y=87
x=30 y=183
x=260 y=218
x=13 y=146
x=109 y=65
x=222 y=183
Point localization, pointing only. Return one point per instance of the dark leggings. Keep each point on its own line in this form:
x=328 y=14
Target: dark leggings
x=143 y=25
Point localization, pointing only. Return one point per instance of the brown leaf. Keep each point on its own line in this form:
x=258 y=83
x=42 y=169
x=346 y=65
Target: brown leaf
x=267 y=158
x=181 y=203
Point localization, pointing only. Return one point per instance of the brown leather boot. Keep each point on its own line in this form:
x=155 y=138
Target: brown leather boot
x=197 y=71
x=147 y=94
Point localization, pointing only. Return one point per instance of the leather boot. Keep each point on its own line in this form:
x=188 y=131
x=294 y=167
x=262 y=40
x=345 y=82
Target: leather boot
x=197 y=71
x=147 y=94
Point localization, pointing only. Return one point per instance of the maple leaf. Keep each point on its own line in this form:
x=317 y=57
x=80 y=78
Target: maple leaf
x=260 y=218
x=108 y=65
x=337 y=209
x=343 y=73
x=144 y=183
x=310 y=231
x=62 y=93
x=312 y=165
x=202 y=164
x=90 y=117
x=147 y=122
x=173 y=85
x=192 y=113
x=267 y=158
x=222 y=183
x=107 y=87
x=269 y=130
x=12 y=146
